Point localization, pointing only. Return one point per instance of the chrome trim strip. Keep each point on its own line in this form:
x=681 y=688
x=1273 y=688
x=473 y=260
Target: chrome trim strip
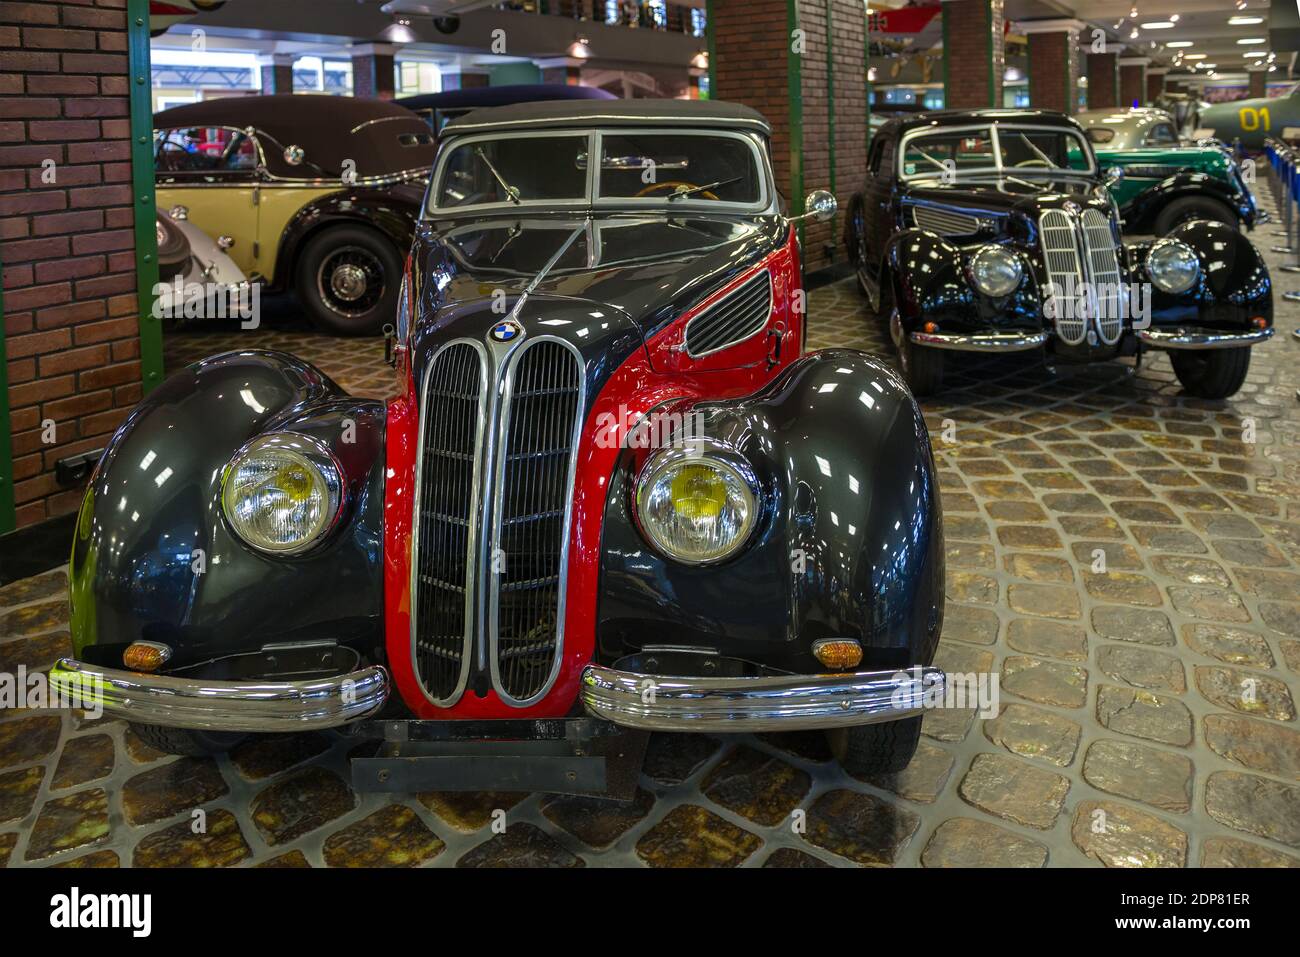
x=471 y=572
x=777 y=703
x=1201 y=338
x=686 y=334
x=980 y=342
x=492 y=542
x=224 y=705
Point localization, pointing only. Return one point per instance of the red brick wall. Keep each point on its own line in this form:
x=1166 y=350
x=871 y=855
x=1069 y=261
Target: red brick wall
x=751 y=66
x=971 y=29
x=1054 y=70
x=1132 y=84
x=277 y=78
x=372 y=75
x=1155 y=86
x=1257 y=85
x=67 y=247
x=1103 y=85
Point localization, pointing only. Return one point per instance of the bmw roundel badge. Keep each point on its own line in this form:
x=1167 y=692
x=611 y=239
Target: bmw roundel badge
x=507 y=331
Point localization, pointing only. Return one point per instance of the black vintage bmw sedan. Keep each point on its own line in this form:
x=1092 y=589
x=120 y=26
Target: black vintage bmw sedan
x=993 y=231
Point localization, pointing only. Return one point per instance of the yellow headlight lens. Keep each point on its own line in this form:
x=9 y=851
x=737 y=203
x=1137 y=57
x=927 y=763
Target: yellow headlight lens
x=694 y=507
x=281 y=494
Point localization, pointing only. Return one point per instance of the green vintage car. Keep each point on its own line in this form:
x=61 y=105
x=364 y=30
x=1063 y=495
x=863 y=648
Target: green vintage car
x=1165 y=182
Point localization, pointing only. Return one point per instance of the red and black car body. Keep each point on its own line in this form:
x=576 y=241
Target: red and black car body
x=489 y=571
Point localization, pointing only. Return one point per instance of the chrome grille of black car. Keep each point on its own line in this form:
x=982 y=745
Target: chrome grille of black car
x=735 y=317
x=452 y=412
x=944 y=221
x=529 y=543
x=492 y=508
x=1080 y=249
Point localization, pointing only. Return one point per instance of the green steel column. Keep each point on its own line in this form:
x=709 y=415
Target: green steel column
x=830 y=100
x=710 y=37
x=794 y=71
x=142 y=179
x=7 y=519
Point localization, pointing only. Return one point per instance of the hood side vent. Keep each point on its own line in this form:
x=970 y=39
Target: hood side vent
x=735 y=317
x=944 y=221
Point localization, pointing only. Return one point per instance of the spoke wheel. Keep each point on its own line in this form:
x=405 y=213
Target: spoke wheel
x=350 y=281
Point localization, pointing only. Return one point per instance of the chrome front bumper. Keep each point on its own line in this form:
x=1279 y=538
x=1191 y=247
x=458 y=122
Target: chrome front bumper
x=980 y=342
x=1201 y=338
x=775 y=703
x=209 y=705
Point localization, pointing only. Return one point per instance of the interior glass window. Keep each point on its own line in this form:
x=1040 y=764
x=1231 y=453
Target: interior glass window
x=661 y=165
x=1100 y=134
x=936 y=153
x=1162 y=134
x=204 y=150
x=539 y=167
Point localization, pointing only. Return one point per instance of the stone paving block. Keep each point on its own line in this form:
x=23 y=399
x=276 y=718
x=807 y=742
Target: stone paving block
x=923 y=780
x=966 y=842
x=263 y=755
x=1259 y=806
x=96 y=860
x=1229 y=852
x=1046 y=682
x=393 y=836
x=26 y=590
x=1144 y=714
x=1054 y=639
x=968 y=623
x=597 y=823
x=692 y=836
x=790 y=858
x=1234 y=646
x=1038 y=568
x=221 y=845
x=1127 y=588
x=1013 y=789
x=1139 y=625
x=1158 y=778
x=1045 y=601
x=166 y=791
x=860 y=827
x=1116 y=555
x=28 y=739
x=1142 y=668
x=84 y=759
x=1258 y=745
x=1121 y=836
x=64 y=823
x=469 y=811
x=300 y=804
x=1245 y=691
x=672 y=758
x=1211 y=604
x=1034 y=733
x=756 y=786
x=18 y=791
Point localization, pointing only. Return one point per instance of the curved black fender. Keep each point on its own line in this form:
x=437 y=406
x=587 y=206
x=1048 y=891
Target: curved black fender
x=392 y=210
x=929 y=283
x=1141 y=212
x=848 y=542
x=1234 y=287
x=153 y=556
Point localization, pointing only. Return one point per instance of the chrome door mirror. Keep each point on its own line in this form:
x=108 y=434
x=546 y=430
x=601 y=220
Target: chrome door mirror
x=819 y=206
x=1113 y=175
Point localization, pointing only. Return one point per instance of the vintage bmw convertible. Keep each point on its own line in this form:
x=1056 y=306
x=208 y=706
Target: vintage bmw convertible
x=992 y=231
x=614 y=495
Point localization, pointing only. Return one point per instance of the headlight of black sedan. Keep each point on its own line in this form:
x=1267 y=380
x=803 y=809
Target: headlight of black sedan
x=695 y=506
x=282 y=493
x=995 y=272
x=1172 y=266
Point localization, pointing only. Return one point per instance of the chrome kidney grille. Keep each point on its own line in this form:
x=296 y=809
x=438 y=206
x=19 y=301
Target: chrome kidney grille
x=498 y=437
x=452 y=413
x=1079 y=249
x=530 y=531
x=735 y=317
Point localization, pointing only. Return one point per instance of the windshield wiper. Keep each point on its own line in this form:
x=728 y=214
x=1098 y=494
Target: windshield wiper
x=681 y=192
x=511 y=191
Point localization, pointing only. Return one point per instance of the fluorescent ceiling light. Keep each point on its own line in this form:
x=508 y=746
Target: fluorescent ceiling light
x=1244 y=21
x=1254 y=53
x=1179 y=43
x=1158 y=25
x=1193 y=56
x=1251 y=41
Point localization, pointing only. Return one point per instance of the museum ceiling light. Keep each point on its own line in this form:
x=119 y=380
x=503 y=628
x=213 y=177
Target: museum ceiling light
x=1158 y=25
x=1244 y=21
x=1179 y=43
x=1251 y=41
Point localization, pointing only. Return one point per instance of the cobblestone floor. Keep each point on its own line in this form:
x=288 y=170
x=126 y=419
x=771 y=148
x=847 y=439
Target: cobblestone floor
x=1147 y=719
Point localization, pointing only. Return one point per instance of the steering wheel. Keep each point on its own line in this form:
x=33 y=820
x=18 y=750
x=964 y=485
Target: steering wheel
x=1034 y=162
x=674 y=185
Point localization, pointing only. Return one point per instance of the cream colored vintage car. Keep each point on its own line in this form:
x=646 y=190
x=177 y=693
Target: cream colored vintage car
x=311 y=194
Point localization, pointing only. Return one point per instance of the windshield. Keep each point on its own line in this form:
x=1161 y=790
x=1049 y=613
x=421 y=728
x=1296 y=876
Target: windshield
x=952 y=154
x=651 y=168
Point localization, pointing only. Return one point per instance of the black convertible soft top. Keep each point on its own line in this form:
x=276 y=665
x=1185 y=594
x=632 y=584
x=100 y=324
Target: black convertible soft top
x=571 y=113
x=380 y=137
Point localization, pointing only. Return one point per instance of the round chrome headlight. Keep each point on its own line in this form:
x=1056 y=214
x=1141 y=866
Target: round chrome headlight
x=695 y=507
x=1173 y=266
x=282 y=493
x=995 y=272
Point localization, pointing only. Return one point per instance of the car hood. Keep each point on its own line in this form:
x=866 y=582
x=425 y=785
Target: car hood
x=1000 y=197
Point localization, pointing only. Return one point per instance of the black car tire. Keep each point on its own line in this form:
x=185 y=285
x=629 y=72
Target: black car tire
x=1213 y=373
x=922 y=367
x=1193 y=207
x=876 y=748
x=185 y=741
x=366 y=249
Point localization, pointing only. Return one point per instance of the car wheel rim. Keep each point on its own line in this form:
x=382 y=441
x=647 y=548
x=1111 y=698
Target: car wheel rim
x=350 y=281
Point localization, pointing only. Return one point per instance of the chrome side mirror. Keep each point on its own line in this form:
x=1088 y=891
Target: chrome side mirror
x=293 y=155
x=819 y=206
x=1114 y=174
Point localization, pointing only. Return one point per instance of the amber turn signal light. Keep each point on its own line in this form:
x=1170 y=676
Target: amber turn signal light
x=145 y=655
x=838 y=654
x=931 y=327
x=1259 y=322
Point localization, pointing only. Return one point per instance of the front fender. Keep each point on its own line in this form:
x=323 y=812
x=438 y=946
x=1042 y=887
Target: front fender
x=848 y=543
x=153 y=557
x=1234 y=287
x=1142 y=210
